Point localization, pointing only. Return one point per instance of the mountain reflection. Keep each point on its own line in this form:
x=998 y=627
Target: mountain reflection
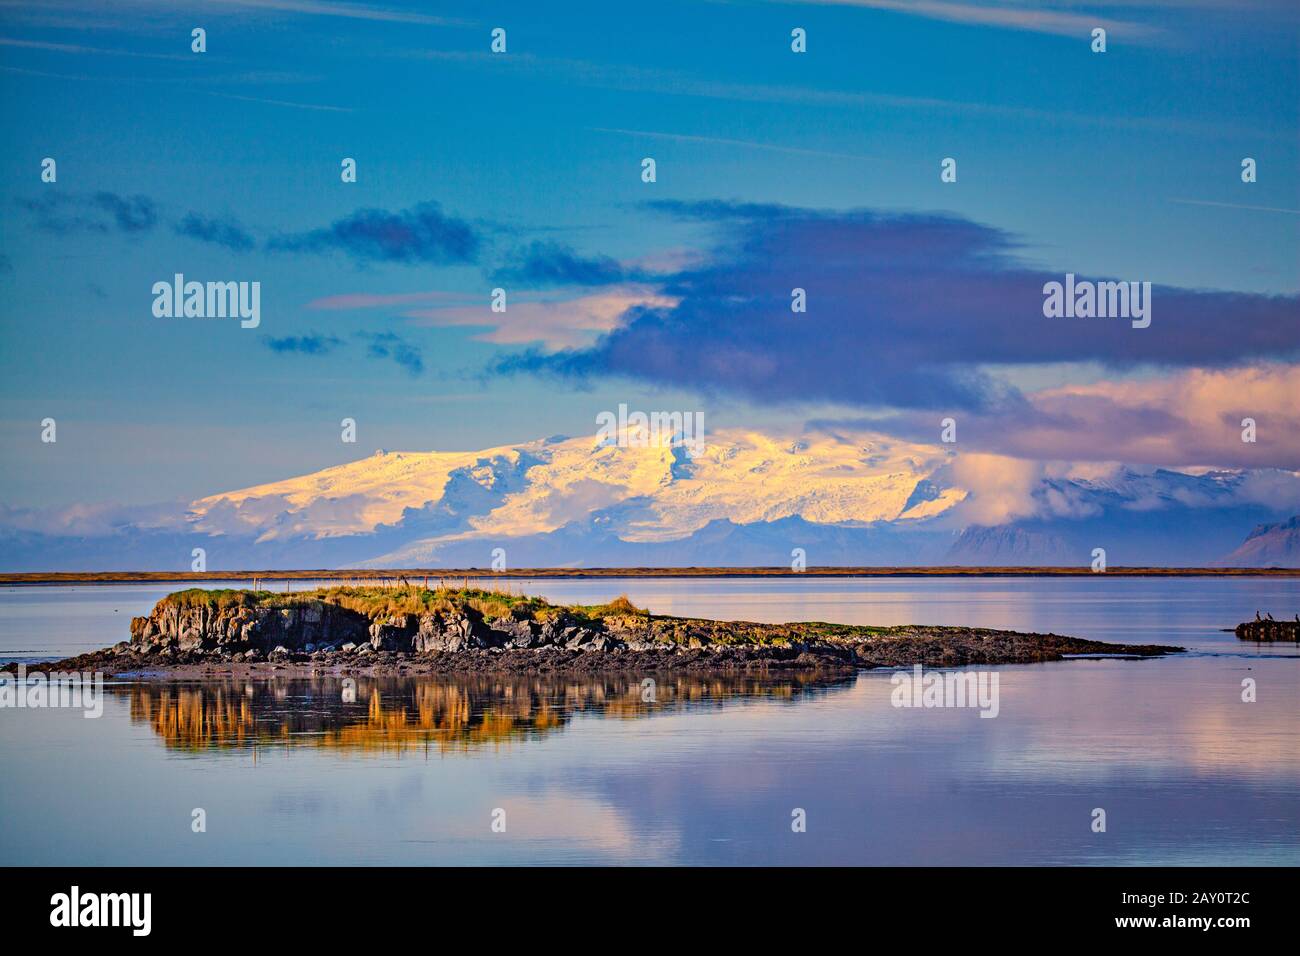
x=396 y=715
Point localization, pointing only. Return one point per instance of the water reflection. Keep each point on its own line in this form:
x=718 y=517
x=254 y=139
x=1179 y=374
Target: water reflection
x=394 y=715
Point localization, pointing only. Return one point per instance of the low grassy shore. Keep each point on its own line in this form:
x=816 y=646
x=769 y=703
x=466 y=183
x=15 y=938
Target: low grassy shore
x=414 y=630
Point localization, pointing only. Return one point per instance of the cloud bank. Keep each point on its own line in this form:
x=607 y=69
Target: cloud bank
x=913 y=312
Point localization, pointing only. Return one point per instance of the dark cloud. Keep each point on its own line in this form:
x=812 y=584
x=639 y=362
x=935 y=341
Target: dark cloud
x=902 y=311
x=389 y=345
x=421 y=234
x=553 y=264
x=102 y=212
x=130 y=214
x=377 y=345
x=313 y=344
x=221 y=232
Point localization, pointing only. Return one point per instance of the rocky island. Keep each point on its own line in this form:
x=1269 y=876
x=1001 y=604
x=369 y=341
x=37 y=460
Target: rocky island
x=1267 y=630
x=414 y=630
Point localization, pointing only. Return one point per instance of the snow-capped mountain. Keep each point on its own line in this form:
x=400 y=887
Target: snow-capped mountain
x=1154 y=518
x=744 y=498
x=639 y=492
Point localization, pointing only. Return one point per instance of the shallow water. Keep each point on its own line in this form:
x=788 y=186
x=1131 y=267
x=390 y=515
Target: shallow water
x=710 y=770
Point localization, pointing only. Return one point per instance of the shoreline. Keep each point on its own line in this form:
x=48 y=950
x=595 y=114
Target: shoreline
x=935 y=649
x=394 y=575
x=638 y=664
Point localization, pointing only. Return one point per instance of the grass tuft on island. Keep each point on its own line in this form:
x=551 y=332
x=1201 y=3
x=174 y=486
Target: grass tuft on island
x=410 y=629
x=406 y=600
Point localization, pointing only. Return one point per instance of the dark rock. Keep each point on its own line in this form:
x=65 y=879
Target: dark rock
x=507 y=632
x=394 y=632
x=437 y=633
x=1268 y=631
x=203 y=627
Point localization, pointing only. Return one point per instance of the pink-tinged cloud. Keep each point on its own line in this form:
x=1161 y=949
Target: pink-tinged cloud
x=1189 y=419
x=1194 y=418
x=554 y=323
x=1000 y=489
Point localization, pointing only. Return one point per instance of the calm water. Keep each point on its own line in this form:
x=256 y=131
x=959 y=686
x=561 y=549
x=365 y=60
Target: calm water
x=411 y=772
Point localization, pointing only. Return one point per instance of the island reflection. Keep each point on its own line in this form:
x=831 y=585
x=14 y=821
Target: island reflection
x=395 y=715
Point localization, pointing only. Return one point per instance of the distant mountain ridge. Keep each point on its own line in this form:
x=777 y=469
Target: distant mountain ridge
x=747 y=499
x=1010 y=546
x=1269 y=546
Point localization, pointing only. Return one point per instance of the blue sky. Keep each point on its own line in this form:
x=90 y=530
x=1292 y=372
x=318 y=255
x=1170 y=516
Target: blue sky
x=1124 y=164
